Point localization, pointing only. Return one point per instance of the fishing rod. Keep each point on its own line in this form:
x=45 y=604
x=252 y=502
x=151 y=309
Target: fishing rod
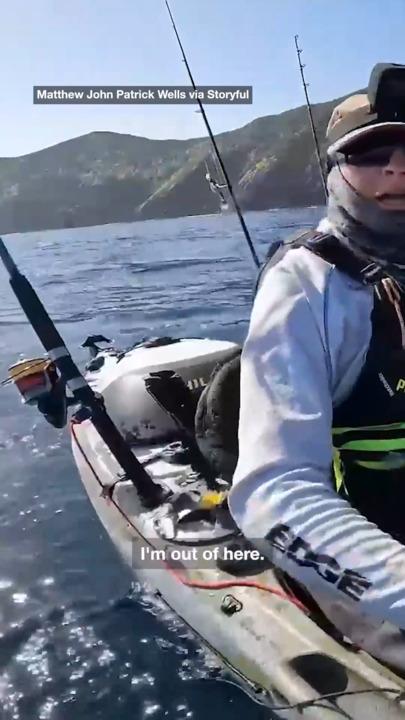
x=57 y=351
x=214 y=144
x=311 y=119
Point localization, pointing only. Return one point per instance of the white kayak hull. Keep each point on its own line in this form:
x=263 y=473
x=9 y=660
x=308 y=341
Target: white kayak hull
x=270 y=643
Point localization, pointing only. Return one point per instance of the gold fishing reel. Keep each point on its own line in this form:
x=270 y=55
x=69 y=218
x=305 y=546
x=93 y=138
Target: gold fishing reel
x=34 y=378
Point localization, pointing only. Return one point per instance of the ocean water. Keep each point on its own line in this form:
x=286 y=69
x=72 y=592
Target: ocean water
x=78 y=637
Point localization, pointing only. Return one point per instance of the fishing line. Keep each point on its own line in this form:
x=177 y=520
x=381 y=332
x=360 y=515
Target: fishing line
x=214 y=144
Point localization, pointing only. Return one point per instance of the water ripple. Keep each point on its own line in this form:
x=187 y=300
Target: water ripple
x=74 y=643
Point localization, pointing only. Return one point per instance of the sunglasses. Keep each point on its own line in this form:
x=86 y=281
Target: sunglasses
x=372 y=151
x=378 y=157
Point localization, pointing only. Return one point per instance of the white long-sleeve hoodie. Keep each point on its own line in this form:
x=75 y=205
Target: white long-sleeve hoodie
x=309 y=333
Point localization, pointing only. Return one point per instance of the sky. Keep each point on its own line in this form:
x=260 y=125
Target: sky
x=228 y=42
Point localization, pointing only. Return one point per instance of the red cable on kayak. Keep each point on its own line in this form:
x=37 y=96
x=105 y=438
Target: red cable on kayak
x=197 y=584
x=225 y=584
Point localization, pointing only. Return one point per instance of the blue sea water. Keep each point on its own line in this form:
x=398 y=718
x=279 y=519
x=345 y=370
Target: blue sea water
x=78 y=637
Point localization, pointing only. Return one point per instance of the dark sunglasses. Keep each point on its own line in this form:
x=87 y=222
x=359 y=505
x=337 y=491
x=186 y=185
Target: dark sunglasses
x=378 y=157
x=373 y=151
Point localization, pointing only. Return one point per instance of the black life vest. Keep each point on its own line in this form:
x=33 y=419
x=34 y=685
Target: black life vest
x=368 y=427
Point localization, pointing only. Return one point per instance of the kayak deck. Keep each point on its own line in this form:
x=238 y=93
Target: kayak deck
x=275 y=647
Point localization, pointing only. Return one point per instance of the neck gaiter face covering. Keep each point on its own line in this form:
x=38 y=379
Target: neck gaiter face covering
x=374 y=235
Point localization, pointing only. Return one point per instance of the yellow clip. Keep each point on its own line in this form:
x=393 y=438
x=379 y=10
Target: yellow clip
x=211 y=499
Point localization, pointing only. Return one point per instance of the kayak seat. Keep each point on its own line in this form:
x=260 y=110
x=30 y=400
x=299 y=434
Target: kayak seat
x=208 y=423
x=175 y=397
x=217 y=418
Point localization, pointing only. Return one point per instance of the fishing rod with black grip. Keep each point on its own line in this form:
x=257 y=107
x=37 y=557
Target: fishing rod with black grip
x=57 y=351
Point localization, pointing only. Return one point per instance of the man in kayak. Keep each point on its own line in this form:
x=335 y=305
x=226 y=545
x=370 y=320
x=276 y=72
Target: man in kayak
x=319 y=485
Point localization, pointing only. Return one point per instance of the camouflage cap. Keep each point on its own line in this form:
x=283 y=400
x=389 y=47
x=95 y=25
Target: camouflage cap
x=354 y=118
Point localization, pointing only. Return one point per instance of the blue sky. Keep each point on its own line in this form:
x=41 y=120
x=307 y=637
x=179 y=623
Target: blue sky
x=131 y=42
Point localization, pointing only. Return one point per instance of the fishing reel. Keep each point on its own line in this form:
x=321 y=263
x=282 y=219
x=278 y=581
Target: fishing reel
x=40 y=384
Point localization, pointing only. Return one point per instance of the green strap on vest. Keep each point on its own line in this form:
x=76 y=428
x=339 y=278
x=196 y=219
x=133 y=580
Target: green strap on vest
x=375 y=447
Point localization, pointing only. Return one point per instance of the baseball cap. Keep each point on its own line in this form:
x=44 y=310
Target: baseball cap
x=381 y=109
x=354 y=118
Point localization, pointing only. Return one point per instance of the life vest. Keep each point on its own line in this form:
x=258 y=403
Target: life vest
x=368 y=427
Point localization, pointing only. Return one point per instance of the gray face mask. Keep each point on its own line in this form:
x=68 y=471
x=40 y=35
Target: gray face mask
x=373 y=234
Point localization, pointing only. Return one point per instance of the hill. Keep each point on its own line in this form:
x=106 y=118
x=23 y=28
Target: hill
x=108 y=177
